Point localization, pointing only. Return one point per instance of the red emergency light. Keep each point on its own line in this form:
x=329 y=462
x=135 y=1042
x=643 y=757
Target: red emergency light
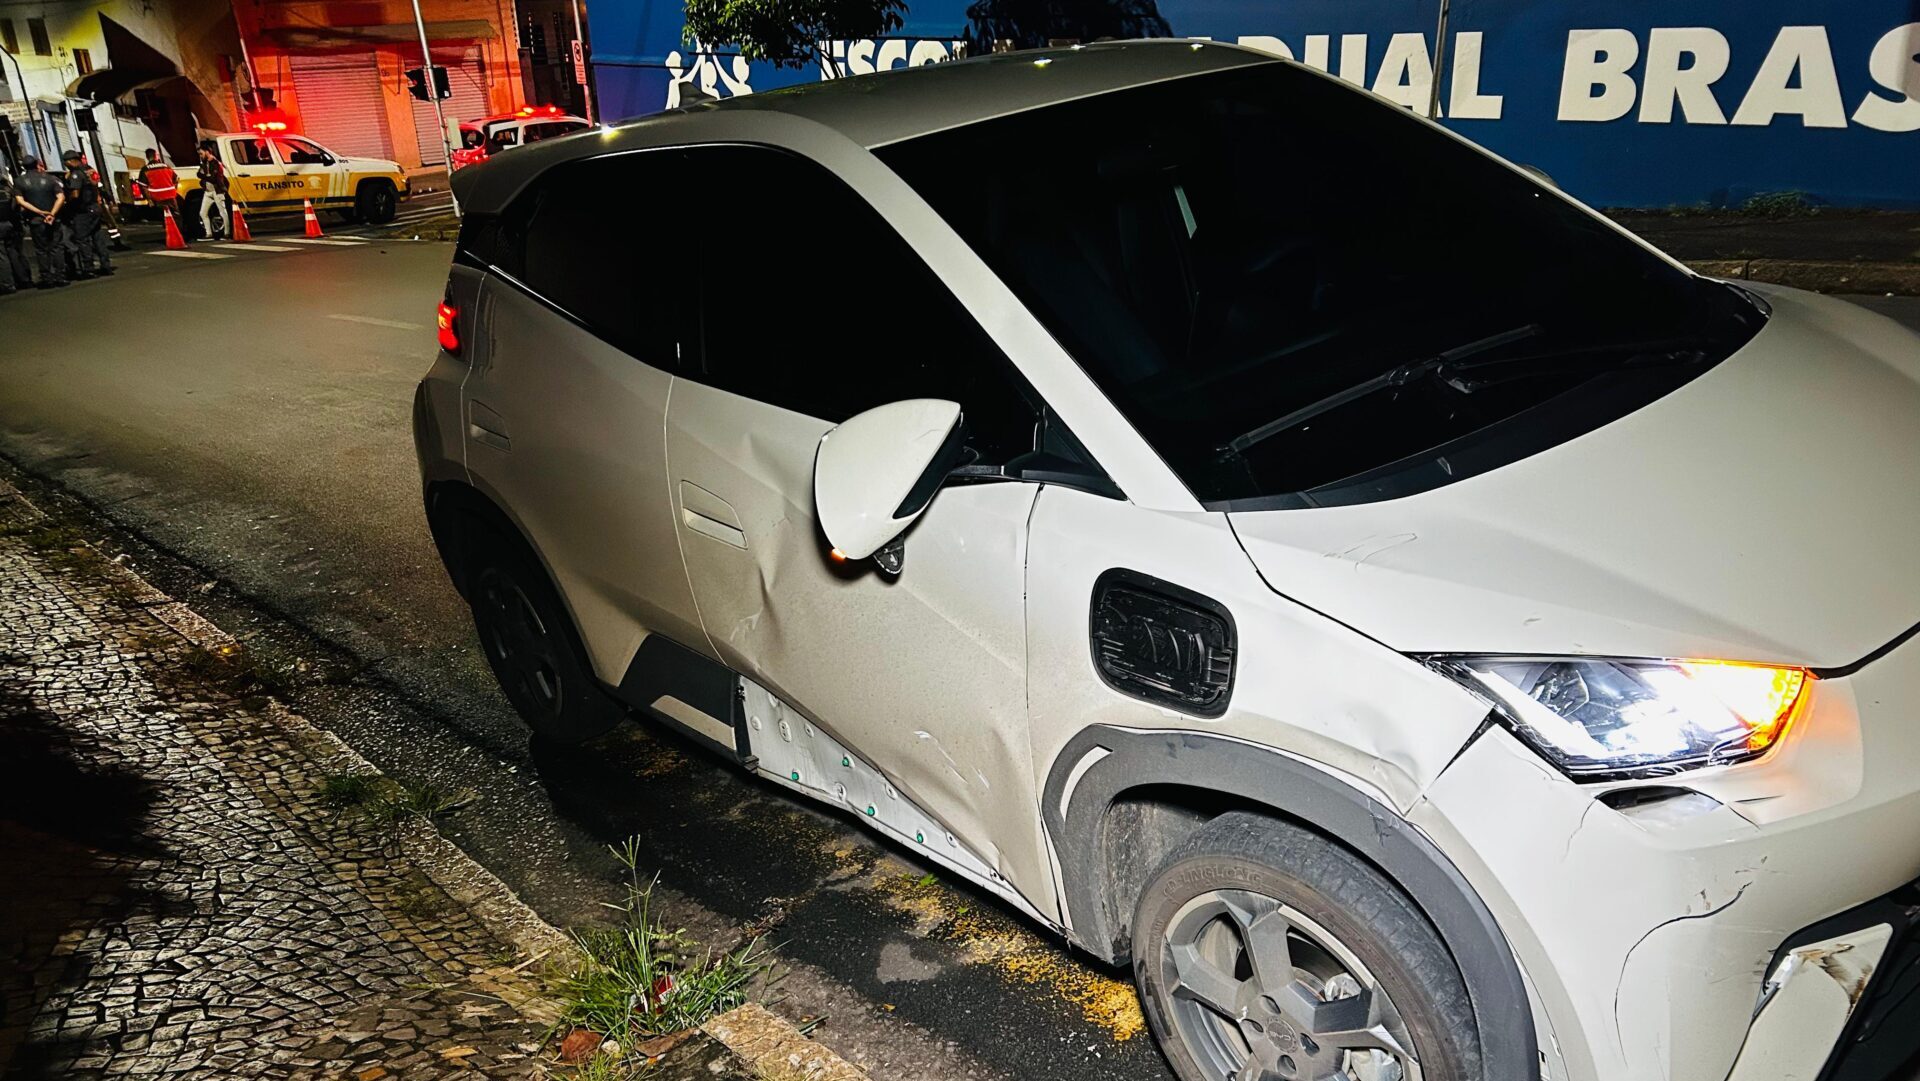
x=267 y=121
x=540 y=110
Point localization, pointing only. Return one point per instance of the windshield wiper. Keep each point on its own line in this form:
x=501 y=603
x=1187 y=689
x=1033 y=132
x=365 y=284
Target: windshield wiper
x=1618 y=356
x=1396 y=377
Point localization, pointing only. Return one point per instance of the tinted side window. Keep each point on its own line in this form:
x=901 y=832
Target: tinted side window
x=250 y=152
x=845 y=316
x=611 y=272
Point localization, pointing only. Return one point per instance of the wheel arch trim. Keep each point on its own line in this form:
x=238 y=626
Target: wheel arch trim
x=1078 y=795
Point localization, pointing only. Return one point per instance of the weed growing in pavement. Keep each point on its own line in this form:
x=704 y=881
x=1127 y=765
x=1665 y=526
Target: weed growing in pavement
x=343 y=790
x=637 y=980
x=416 y=799
x=387 y=802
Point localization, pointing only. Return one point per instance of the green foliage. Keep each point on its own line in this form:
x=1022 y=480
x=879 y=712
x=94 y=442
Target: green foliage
x=787 y=33
x=343 y=790
x=387 y=802
x=1778 y=204
x=637 y=979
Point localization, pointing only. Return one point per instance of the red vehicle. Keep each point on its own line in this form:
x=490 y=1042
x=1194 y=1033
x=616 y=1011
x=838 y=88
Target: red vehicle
x=481 y=139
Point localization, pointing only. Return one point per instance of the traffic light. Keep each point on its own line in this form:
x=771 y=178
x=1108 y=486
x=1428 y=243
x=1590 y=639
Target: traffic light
x=417 y=83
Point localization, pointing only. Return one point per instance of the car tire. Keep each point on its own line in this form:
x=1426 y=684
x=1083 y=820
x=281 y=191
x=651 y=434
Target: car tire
x=376 y=202
x=1261 y=944
x=529 y=641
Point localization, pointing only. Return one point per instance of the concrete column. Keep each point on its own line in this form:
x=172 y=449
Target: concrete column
x=399 y=106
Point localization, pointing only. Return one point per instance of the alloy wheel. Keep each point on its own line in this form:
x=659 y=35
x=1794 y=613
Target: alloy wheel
x=1260 y=992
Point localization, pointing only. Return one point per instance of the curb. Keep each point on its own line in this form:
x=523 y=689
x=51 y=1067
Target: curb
x=768 y=1043
x=1901 y=279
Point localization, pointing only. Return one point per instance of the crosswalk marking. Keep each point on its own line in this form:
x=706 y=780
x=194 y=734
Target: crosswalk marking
x=191 y=254
x=343 y=240
x=255 y=247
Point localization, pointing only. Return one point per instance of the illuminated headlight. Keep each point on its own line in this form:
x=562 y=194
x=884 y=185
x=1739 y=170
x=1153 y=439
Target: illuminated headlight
x=1599 y=717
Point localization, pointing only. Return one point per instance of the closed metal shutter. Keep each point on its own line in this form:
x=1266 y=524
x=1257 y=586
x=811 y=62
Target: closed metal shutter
x=468 y=81
x=340 y=103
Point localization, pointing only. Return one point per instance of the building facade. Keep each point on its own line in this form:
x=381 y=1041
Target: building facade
x=113 y=79
x=338 y=69
x=116 y=78
x=1624 y=103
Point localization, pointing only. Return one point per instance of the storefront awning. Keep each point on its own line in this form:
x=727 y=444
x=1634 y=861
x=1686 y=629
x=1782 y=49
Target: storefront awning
x=112 y=83
x=126 y=96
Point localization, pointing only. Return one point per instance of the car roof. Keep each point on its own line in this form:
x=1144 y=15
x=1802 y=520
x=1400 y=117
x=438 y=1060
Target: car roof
x=934 y=97
x=887 y=107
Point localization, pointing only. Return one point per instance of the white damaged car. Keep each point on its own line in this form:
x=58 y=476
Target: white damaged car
x=1421 y=630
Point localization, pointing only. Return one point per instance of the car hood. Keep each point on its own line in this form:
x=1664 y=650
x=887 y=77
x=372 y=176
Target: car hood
x=371 y=165
x=1767 y=511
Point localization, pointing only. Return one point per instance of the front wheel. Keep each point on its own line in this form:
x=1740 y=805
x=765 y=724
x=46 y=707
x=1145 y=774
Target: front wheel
x=376 y=202
x=1263 y=952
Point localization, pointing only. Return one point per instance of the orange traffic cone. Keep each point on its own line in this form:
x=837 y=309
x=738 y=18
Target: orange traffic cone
x=241 y=234
x=313 y=221
x=174 y=239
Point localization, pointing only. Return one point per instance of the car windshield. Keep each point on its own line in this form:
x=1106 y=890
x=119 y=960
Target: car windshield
x=1278 y=279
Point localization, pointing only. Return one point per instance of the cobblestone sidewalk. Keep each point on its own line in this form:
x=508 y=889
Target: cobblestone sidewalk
x=175 y=900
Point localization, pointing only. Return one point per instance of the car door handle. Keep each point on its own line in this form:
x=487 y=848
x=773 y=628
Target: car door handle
x=710 y=516
x=486 y=426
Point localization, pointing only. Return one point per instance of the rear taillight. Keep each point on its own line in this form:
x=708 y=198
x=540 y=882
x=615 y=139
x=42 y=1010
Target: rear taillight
x=449 y=337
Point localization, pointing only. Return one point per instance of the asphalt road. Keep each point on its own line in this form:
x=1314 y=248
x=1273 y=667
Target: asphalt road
x=243 y=420
x=243 y=417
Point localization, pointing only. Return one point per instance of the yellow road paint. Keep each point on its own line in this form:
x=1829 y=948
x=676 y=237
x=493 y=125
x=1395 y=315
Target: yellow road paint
x=988 y=937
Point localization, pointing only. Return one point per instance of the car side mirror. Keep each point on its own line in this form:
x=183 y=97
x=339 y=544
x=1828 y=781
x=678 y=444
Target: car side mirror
x=874 y=475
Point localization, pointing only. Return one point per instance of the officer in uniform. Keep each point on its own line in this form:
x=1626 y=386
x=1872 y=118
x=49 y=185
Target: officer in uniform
x=13 y=261
x=40 y=197
x=85 y=218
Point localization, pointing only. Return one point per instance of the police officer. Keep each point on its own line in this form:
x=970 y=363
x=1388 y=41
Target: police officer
x=40 y=198
x=13 y=261
x=85 y=218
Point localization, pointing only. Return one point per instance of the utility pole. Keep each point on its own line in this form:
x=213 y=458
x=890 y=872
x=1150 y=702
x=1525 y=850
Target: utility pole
x=1439 y=61
x=580 y=62
x=433 y=89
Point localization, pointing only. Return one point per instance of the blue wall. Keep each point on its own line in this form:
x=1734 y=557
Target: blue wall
x=1616 y=100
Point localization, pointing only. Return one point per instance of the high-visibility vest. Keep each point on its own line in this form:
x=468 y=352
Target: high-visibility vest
x=160 y=182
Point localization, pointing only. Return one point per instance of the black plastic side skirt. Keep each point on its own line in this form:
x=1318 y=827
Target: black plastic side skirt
x=665 y=669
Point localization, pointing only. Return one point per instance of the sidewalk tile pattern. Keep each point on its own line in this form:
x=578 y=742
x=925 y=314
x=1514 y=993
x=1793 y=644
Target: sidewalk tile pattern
x=175 y=902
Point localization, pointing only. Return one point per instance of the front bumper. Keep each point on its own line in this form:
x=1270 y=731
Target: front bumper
x=1842 y=999
x=1648 y=916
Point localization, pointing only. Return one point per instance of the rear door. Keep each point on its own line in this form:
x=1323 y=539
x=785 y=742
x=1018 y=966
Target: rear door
x=566 y=411
x=254 y=177
x=923 y=675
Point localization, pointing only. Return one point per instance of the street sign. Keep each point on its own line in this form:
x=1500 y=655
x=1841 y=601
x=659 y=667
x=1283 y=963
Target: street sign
x=579 y=62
